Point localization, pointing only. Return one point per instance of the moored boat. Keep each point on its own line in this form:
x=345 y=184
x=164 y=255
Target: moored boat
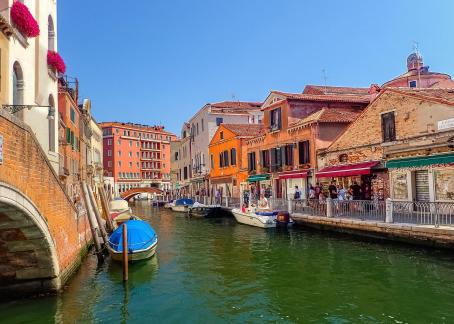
x=263 y=219
x=182 y=205
x=142 y=241
x=201 y=210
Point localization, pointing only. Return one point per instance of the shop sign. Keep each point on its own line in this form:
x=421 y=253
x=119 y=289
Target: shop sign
x=446 y=124
x=1 y=149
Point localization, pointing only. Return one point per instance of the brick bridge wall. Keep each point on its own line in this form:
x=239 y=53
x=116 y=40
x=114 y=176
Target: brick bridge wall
x=42 y=234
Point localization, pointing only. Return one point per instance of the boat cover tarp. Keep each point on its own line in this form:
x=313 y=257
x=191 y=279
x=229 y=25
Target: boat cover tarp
x=273 y=213
x=140 y=236
x=184 y=201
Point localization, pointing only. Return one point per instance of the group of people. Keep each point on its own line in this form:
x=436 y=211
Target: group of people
x=336 y=192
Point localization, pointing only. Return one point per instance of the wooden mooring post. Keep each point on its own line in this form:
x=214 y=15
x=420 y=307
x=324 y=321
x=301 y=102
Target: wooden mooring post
x=97 y=215
x=106 y=210
x=125 y=253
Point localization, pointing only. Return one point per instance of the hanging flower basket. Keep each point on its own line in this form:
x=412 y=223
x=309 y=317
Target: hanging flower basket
x=55 y=62
x=23 y=20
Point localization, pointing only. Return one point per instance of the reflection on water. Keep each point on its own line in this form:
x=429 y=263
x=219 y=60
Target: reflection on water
x=218 y=271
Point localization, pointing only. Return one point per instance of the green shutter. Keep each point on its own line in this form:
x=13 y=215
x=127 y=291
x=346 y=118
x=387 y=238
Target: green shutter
x=68 y=135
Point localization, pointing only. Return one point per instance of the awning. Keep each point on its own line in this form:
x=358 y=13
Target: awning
x=258 y=177
x=346 y=170
x=298 y=174
x=420 y=161
x=221 y=180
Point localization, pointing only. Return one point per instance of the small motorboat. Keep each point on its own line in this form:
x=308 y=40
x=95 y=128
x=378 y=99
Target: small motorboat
x=169 y=204
x=182 y=205
x=261 y=218
x=201 y=210
x=142 y=241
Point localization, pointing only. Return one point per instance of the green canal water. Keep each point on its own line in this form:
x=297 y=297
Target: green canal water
x=217 y=271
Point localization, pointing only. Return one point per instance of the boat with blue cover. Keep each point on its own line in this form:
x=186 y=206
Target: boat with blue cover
x=142 y=241
x=182 y=205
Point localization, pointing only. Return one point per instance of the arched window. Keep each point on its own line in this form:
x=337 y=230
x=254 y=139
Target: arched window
x=18 y=87
x=52 y=121
x=50 y=34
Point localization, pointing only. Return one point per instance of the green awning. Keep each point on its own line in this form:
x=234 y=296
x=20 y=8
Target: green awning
x=420 y=161
x=258 y=177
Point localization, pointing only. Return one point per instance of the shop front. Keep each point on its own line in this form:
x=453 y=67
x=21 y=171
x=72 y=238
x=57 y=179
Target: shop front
x=425 y=178
x=371 y=178
x=293 y=179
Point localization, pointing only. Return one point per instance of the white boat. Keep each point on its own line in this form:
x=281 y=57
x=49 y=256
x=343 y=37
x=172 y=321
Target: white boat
x=249 y=217
x=182 y=205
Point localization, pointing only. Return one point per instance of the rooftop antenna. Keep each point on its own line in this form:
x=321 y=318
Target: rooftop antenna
x=416 y=50
x=234 y=98
x=325 y=78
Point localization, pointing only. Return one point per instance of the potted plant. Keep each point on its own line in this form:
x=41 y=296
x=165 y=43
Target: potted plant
x=23 y=20
x=55 y=62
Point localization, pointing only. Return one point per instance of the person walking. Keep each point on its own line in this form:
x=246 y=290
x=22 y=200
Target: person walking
x=297 y=194
x=356 y=191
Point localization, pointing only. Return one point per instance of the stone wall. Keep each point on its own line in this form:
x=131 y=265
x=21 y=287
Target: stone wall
x=27 y=171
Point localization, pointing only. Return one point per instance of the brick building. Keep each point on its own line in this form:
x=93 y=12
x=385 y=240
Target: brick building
x=296 y=126
x=228 y=157
x=401 y=146
x=137 y=155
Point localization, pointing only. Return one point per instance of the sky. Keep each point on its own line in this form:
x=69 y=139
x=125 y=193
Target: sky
x=158 y=62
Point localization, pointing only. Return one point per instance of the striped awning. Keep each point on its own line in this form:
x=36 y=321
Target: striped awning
x=420 y=161
x=297 y=174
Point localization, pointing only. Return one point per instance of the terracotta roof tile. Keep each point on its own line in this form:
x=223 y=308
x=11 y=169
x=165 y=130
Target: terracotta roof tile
x=351 y=98
x=437 y=94
x=328 y=115
x=245 y=130
x=316 y=89
x=236 y=104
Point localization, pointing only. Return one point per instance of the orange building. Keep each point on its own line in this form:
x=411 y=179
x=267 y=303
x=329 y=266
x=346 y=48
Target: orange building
x=228 y=157
x=296 y=126
x=137 y=155
x=69 y=136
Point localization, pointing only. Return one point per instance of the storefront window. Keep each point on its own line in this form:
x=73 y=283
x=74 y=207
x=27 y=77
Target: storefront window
x=400 y=189
x=444 y=185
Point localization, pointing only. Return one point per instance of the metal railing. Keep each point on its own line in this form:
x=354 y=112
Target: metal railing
x=278 y=204
x=360 y=209
x=424 y=213
x=311 y=207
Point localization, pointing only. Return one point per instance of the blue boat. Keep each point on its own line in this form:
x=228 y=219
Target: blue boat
x=182 y=205
x=142 y=241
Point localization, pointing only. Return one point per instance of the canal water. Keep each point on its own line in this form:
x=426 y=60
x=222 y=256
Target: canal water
x=218 y=271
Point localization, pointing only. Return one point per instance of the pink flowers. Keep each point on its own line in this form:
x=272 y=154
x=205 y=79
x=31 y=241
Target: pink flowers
x=55 y=61
x=24 y=20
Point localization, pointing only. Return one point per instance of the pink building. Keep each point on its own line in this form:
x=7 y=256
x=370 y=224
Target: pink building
x=419 y=76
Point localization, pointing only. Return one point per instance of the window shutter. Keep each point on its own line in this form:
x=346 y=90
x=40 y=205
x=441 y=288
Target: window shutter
x=273 y=157
x=226 y=158
x=279 y=119
x=262 y=159
x=279 y=157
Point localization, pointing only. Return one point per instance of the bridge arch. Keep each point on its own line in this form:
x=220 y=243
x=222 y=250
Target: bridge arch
x=28 y=256
x=128 y=194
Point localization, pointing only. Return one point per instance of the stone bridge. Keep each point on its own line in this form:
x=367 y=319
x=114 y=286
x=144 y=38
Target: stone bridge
x=42 y=235
x=135 y=191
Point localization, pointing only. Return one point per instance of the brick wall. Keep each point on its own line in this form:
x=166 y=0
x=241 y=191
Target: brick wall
x=26 y=168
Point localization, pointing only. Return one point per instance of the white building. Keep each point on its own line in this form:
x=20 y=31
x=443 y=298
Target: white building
x=32 y=81
x=202 y=127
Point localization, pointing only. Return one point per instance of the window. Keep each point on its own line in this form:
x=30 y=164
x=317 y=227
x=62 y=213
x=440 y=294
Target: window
x=226 y=158
x=72 y=115
x=276 y=158
x=50 y=34
x=388 y=127
x=219 y=121
x=288 y=155
x=109 y=141
x=343 y=158
x=265 y=159
x=109 y=164
x=221 y=160
x=212 y=161
x=203 y=127
x=137 y=154
x=197 y=127
x=119 y=153
x=304 y=152
x=119 y=142
x=109 y=153
x=185 y=173
x=119 y=163
x=137 y=144
x=221 y=135
x=275 y=119
x=251 y=161
x=130 y=154
x=412 y=84
x=130 y=164
x=176 y=156
x=130 y=143
x=233 y=156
